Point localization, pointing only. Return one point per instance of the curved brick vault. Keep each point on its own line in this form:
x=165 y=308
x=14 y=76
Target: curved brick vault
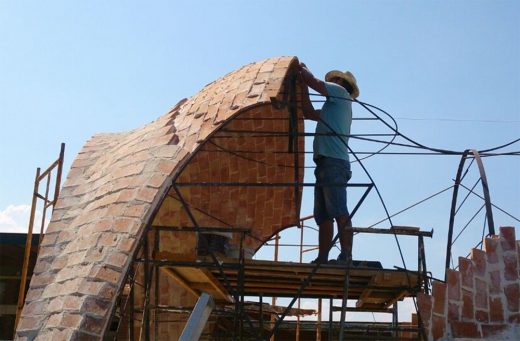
x=121 y=183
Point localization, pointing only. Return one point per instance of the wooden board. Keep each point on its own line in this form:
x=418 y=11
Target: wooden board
x=373 y=288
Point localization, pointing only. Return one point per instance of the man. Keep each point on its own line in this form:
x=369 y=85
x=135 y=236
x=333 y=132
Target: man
x=332 y=159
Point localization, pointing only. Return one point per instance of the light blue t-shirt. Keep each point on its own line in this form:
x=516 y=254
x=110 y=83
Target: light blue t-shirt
x=337 y=113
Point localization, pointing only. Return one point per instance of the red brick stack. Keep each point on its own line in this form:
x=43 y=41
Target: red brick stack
x=481 y=299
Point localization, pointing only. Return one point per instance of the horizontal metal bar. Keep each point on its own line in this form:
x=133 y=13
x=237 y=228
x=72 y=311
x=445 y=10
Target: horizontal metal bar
x=396 y=231
x=201 y=229
x=266 y=184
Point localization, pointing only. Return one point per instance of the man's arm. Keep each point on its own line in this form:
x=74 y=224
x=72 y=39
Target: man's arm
x=311 y=81
x=313 y=114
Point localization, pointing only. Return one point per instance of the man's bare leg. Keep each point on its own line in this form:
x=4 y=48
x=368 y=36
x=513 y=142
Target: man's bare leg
x=326 y=229
x=346 y=235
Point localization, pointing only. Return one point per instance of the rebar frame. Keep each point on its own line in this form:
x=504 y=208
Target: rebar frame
x=46 y=175
x=461 y=174
x=239 y=315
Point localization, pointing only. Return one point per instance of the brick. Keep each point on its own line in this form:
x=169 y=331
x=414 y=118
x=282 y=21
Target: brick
x=511 y=292
x=490 y=245
x=510 y=267
x=117 y=260
x=127 y=195
x=42 y=265
x=66 y=236
x=467 y=305
x=73 y=272
x=92 y=325
x=438 y=327
x=156 y=180
x=53 y=321
x=59 y=262
x=439 y=297
x=35 y=307
x=108 y=239
x=71 y=320
x=496 y=309
x=105 y=274
x=514 y=318
x=49 y=239
x=495 y=282
x=479 y=262
x=146 y=194
x=33 y=294
x=76 y=258
x=103 y=225
x=490 y=330
x=72 y=286
x=42 y=280
x=55 y=335
x=96 y=307
x=464 y=329
x=49 y=251
x=453 y=312
x=466 y=272
x=508 y=238
x=126 y=244
x=81 y=336
x=52 y=290
x=28 y=323
x=55 y=305
x=453 y=281
x=137 y=211
x=481 y=316
x=481 y=294
x=125 y=225
x=424 y=304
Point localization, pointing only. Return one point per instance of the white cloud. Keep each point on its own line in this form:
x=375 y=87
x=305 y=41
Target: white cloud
x=15 y=218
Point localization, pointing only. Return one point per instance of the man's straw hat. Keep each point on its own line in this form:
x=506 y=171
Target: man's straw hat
x=347 y=76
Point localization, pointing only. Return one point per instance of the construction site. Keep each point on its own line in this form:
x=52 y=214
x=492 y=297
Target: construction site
x=155 y=234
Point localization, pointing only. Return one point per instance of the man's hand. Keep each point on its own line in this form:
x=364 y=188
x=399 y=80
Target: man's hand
x=312 y=81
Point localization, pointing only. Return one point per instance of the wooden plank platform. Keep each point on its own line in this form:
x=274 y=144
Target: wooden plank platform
x=372 y=288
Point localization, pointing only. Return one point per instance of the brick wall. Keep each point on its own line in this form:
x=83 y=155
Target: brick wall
x=481 y=298
x=117 y=184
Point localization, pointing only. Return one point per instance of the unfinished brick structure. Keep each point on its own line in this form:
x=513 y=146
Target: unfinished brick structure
x=120 y=185
x=481 y=299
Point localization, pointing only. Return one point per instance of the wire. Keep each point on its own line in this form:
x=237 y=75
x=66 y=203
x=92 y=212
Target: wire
x=368 y=107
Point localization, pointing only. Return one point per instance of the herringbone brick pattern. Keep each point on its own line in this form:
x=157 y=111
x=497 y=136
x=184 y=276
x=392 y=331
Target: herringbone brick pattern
x=120 y=182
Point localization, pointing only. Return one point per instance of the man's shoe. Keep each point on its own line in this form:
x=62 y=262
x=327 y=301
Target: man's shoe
x=342 y=259
x=319 y=261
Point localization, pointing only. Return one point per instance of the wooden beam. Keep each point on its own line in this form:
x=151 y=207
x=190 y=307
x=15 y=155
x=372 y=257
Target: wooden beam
x=180 y=280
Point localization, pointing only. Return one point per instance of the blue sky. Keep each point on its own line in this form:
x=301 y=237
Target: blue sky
x=448 y=71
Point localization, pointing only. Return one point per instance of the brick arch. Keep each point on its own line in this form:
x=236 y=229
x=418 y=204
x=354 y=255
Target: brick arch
x=121 y=183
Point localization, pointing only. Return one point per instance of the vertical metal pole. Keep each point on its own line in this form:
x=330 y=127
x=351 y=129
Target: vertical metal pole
x=318 y=325
x=273 y=299
x=261 y=297
x=331 y=305
x=395 y=320
x=344 y=301
x=299 y=300
x=27 y=253
x=131 y=332
x=157 y=311
x=241 y=284
x=145 y=326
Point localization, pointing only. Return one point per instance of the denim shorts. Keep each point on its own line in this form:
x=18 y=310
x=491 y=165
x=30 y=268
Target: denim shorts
x=330 y=193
